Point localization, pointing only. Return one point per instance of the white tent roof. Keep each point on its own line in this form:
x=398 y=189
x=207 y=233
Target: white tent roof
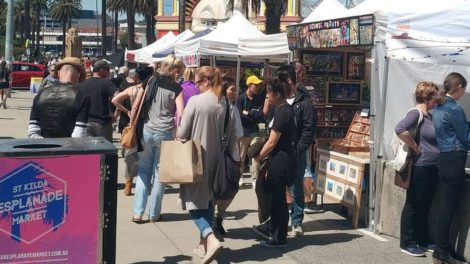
x=265 y=46
x=144 y=55
x=325 y=10
x=223 y=41
x=170 y=45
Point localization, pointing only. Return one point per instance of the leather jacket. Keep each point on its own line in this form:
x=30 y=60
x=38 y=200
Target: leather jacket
x=56 y=111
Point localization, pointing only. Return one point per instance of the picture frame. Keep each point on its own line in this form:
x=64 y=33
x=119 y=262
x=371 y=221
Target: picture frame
x=344 y=93
x=355 y=66
x=331 y=167
x=339 y=190
x=330 y=187
x=323 y=63
x=349 y=196
x=321 y=183
x=353 y=174
x=322 y=163
x=342 y=171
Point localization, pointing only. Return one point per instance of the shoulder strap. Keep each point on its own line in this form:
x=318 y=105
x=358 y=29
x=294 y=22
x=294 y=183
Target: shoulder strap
x=141 y=103
x=227 y=113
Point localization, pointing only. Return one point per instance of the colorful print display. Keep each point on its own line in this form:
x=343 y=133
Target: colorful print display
x=334 y=33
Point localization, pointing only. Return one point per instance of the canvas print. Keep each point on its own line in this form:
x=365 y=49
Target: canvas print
x=323 y=161
x=354 y=32
x=343 y=93
x=330 y=187
x=323 y=63
x=321 y=184
x=332 y=167
x=342 y=170
x=339 y=190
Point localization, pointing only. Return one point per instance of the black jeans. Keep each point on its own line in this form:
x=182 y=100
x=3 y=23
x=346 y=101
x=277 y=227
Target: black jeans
x=277 y=180
x=451 y=179
x=96 y=129
x=414 y=227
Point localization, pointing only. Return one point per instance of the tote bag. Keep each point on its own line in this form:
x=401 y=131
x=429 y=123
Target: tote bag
x=400 y=149
x=180 y=162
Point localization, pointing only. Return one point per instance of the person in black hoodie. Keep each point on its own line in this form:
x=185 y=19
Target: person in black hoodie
x=306 y=120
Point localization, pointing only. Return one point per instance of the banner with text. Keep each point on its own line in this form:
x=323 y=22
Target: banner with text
x=49 y=209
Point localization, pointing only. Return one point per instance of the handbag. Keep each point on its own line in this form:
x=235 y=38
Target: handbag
x=128 y=136
x=403 y=178
x=180 y=162
x=400 y=149
x=227 y=176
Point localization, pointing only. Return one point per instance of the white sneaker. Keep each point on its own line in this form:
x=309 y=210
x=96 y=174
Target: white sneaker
x=297 y=230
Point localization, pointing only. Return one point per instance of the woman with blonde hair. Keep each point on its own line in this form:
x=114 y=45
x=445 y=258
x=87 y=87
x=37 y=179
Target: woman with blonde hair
x=156 y=123
x=203 y=120
x=414 y=227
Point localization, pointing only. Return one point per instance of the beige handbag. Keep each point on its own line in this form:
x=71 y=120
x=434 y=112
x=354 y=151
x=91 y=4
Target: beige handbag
x=180 y=162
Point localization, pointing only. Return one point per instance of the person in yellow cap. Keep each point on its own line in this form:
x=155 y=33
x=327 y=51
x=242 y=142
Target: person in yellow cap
x=250 y=106
x=56 y=113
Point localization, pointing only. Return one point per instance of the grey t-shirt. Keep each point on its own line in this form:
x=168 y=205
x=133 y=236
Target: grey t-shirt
x=161 y=116
x=425 y=137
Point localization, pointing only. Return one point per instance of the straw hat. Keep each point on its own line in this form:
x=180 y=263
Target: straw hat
x=74 y=62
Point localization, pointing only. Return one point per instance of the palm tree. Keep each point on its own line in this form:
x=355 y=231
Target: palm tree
x=148 y=9
x=130 y=7
x=274 y=10
x=116 y=8
x=63 y=10
x=103 y=28
x=19 y=19
x=37 y=9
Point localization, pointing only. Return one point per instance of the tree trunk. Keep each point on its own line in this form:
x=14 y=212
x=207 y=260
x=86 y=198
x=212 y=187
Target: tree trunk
x=273 y=15
x=64 y=29
x=148 y=30
x=38 y=34
x=103 y=28
x=130 y=25
x=116 y=33
x=27 y=19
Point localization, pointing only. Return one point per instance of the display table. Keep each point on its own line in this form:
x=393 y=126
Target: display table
x=340 y=178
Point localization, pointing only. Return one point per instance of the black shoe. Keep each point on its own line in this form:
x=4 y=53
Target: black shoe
x=271 y=243
x=218 y=226
x=444 y=257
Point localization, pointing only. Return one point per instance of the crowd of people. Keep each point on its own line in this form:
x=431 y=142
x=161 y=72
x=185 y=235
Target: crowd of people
x=181 y=103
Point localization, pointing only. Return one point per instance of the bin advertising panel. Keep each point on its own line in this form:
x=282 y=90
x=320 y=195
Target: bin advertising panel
x=49 y=209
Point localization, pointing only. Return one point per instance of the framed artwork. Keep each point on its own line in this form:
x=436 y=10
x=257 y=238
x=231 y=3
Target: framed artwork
x=330 y=187
x=327 y=115
x=342 y=170
x=339 y=190
x=353 y=174
x=323 y=63
x=343 y=93
x=331 y=169
x=349 y=195
x=322 y=163
x=355 y=66
x=321 y=184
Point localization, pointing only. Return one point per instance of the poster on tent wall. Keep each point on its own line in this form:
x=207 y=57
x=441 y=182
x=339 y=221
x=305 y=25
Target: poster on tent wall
x=45 y=216
x=343 y=32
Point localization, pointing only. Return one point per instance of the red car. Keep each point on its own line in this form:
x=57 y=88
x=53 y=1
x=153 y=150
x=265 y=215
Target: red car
x=22 y=72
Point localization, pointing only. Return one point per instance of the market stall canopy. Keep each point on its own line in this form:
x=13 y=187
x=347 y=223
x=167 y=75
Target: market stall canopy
x=223 y=41
x=265 y=46
x=325 y=10
x=158 y=56
x=144 y=55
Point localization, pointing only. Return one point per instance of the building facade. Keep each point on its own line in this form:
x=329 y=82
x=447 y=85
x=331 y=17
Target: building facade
x=203 y=13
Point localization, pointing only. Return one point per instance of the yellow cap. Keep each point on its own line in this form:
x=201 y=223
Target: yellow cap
x=253 y=80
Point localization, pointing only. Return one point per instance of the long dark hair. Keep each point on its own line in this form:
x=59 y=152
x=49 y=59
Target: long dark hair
x=276 y=86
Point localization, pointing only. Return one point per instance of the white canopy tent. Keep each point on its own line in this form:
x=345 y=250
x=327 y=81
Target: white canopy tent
x=144 y=55
x=413 y=41
x=266 y=47
x=163 y=51
x=325 y=10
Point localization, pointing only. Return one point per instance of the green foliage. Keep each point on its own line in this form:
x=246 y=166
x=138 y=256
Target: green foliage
x=123 y=39
x=3 y=18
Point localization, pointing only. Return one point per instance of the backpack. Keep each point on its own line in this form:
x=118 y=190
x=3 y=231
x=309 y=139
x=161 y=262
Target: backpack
x=399 y=149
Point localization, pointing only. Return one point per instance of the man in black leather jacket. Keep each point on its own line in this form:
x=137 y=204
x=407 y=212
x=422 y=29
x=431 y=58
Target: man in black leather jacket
x=56 y=113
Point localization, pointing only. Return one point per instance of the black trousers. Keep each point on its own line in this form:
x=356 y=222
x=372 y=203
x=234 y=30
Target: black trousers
x=263 y=193
x=277 y=181
x=451 y=179
x=414 y=227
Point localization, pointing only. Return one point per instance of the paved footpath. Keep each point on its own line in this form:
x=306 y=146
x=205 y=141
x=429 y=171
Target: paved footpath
x=328 y=236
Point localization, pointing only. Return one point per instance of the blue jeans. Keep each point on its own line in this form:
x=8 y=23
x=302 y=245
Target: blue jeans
x=297 y=190
x=203 y=219
x=149 y=161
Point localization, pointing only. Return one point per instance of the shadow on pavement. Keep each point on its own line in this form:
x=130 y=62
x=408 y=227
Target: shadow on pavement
x=239 y=214
x=171 y=259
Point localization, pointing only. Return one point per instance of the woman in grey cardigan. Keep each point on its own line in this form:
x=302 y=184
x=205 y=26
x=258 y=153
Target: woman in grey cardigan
x=203 y=120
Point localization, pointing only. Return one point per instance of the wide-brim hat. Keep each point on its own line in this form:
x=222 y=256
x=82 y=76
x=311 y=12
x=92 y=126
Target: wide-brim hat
x=74 y=62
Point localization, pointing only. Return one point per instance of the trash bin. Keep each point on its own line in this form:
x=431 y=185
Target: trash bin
x=58 y=200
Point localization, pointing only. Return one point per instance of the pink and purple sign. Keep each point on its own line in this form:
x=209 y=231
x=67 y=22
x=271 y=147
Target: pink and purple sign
x=49 y=209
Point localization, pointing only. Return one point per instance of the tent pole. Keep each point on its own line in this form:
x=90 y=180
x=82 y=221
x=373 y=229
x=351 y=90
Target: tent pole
x=238 y=77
